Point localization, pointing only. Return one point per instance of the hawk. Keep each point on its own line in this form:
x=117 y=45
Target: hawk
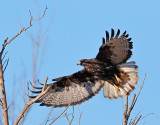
x=108 y=69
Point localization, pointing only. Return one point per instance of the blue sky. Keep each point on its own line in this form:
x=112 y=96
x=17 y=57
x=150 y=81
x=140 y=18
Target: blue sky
x=73 y=30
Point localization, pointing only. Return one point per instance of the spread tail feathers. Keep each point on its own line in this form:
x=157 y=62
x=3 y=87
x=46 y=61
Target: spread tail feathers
x=129 y=76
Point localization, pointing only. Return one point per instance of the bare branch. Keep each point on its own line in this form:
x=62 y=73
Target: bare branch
x=127 y=111
x=4 y=55
x=80 y=114
x=59 y=115
x=130 y=122
x=6 y=42
x=44 y=86
x=147 y=115
x=31 y=102
x=49 y=114
x=4 y=62
x=131 y=105
x=70 y=122
x=139 y=90
x=2 y=86
x=137 y=120
x=3 y=93
x=3 y=47
x=28 y=91
x=0 y=102
x=40 y=17
x=72 y=116
x=6 y=65
x=65 y=114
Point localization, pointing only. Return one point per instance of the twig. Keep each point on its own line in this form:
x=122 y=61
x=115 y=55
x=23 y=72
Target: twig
x=6 y=42
x=65 y=114
x=127 y=111
x=147 y=115
x=130 y=122
x=31 y=102
x=137 y=120
x=4 y=62
x=139 y=90
x=40 y=17
x=6 y=65
x=0 y=102
x=49 y=114
x=59 y=115
x=44 y=86
x=80 y=114
x=28 y=91
x=72 y=116
x=3 y=92
x=125 y=115
x=70 y=122
x=4 y=55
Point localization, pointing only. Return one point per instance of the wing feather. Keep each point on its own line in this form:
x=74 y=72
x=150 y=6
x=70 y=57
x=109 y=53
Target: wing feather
x=116 y=50
x=73 y=90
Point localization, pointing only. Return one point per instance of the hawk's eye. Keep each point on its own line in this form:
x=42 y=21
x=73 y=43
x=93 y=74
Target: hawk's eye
x=82 y=61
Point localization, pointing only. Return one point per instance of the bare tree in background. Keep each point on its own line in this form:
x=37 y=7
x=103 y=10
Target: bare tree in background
x=37 y=60
x=3 y=66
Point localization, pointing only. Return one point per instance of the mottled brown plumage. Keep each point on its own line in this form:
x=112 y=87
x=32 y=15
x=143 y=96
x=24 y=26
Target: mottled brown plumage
x=108 y=69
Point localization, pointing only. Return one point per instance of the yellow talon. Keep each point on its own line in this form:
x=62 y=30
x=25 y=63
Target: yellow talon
x=117 y=88
x=118 y=79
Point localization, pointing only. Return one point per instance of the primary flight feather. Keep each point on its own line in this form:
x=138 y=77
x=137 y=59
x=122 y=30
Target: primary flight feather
x=108 y=69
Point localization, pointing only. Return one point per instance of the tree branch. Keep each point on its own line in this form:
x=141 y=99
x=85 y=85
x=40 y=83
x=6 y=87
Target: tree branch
x=31 y=102
x=128 y=111
x=6 y=42
x=70 y=121
x=6 y=65
x=80 y=115
x=3 y=92
x=35 y=56
x=125 y=112
x=0 y=102
x=59 y=115
x=49 y=114
x=2 y=85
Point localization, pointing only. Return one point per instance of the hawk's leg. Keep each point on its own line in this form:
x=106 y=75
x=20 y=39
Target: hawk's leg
x=118 y=81
x=117 y=87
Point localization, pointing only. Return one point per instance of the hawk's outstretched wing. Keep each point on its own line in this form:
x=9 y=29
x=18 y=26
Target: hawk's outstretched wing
x=115 y=50
x=71 y=90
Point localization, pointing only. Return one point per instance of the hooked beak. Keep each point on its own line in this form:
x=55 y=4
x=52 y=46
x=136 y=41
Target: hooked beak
x=79 y=63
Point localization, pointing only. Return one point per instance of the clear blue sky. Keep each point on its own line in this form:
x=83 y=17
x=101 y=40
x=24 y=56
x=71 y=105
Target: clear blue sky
x=76 y=28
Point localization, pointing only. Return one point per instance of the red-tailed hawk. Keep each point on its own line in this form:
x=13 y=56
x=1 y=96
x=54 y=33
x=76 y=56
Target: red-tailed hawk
x=108 y=69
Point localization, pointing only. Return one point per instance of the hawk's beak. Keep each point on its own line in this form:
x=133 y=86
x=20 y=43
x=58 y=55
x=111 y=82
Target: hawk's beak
x=79 y=63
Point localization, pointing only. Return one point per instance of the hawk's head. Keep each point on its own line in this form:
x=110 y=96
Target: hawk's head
x=86 y=62
x=82 y=62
